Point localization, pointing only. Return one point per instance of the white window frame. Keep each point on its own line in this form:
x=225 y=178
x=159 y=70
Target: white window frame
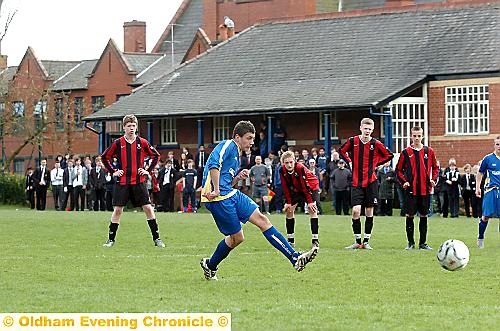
x=220 y=130
x=408 y=112
x=333 y=125
x=168 y=131
x=467 y=110
x=18 y=108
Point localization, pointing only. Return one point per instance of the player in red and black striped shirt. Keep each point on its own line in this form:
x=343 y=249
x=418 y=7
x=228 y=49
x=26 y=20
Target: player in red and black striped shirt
x=131 y=152
x=300 y=186
x=417 y=171
x=364 y=154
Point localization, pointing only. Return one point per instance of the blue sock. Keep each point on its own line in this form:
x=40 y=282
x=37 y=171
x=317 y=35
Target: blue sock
x=482 y=228
x=279 y=242
x=221 y=252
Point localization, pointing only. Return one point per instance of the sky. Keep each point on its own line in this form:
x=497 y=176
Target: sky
x=77 y=30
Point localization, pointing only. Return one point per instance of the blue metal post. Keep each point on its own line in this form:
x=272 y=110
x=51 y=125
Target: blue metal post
x=328 y=134
x=150 y=132
x=102 y=138
x=270 y=135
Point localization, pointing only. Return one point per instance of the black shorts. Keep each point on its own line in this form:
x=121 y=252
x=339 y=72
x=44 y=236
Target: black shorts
x=300 y=198
x=137 y=194
x=417 y=203
x=365 y=196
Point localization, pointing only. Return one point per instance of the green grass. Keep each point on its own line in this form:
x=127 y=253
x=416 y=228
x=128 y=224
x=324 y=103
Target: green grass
x=54 y=262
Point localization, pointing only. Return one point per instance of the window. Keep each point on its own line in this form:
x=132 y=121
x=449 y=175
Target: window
x=78 y=112
x=333 y=125
x=59 y=115
x=220 y=129
x=2 y=119
x=18 y=120
x=40 y=114
x=407 y=113
x=97 y=104
x=18 y=109
x=467 y=110
x=19 y=166
x=168 y=131
x=114 y=127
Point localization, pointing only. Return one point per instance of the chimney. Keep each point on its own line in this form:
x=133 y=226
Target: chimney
x=222 y=32
x=399 y=3
x=134 y=34
x=3 y=62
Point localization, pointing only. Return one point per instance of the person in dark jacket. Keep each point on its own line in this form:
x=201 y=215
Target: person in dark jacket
x=30 y=188
x=386 y=178
x=341 y=184
x=468 y=185
x=97 y=179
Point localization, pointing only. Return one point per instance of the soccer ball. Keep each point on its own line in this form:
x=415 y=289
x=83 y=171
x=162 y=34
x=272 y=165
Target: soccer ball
x=453 y=255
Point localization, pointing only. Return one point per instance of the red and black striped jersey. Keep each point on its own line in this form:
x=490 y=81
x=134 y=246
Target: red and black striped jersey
x=301 y=181
x=417 y=167
x=130 y=157
x=364 y=159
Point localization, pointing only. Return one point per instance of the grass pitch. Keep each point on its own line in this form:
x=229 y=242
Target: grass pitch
x=54 y=262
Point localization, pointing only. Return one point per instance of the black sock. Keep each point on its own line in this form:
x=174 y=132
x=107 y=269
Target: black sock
x=153 y=226
x=368 y=228
x=410 y=230
x=422 y=228
x=113 y=228
x=314 y=227
x=356 y=228
x=290 y=225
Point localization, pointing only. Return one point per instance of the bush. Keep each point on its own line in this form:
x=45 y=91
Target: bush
x=12 y=189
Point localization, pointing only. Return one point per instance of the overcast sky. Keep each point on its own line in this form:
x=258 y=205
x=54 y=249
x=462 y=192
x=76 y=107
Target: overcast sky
x=78 y=30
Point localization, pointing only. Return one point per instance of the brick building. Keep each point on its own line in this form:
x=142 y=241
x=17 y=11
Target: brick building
x=434 y=65
x=67 y=91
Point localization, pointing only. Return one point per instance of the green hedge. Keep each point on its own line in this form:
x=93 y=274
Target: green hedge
x=12 y=189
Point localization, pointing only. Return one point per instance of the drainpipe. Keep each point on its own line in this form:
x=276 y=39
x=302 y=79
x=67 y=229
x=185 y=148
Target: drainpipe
x=386 y=112
x=102 y=134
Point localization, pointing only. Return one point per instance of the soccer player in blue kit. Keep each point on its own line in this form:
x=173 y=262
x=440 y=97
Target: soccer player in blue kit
x=490 y=166
x=230 y=207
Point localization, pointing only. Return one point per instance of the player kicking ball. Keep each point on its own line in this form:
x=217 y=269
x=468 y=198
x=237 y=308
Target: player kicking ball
x=230 y=207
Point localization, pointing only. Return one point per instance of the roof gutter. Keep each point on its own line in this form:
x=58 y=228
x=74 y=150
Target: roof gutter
x=91 y=128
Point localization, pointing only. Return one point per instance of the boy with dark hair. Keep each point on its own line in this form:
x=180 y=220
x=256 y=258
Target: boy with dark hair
x=230 y=207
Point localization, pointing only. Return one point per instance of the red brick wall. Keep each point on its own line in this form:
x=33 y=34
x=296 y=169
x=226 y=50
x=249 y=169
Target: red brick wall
x=198 y=47
x=246 y=14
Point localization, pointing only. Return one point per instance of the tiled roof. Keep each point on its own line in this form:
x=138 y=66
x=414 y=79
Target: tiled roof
x=142 y=61
x=56 y=69
x=185 y=28
x=6 y=76
x=337 y=63
x=76 y=78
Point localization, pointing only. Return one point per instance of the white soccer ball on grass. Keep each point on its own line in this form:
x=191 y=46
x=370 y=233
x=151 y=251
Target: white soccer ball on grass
x=453 y=255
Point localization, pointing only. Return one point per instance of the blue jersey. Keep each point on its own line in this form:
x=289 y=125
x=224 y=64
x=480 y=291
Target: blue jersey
x=490 y=165
x=226 y=158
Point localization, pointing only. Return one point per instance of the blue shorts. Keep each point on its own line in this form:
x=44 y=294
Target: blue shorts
x=491 y=203
x=231 y=212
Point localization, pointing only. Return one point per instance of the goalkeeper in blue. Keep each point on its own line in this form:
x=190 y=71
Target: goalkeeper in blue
x=490 y=167
x=230 y=207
